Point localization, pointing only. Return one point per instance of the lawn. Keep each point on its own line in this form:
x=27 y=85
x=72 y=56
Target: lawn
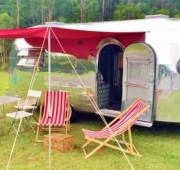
x=4 y=80
x=159 y=146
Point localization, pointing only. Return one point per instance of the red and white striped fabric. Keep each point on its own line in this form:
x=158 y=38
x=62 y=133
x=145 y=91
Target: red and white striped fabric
x=105 y=133
x=54 y=108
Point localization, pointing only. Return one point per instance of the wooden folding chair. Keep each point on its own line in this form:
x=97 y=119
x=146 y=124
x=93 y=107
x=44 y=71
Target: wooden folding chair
x=56 y=113
x=117 y=127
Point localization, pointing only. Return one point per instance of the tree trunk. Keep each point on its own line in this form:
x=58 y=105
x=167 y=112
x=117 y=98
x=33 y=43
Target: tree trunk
x=49 y=15
x=83 y=12
x=103 y=9
x=17 y=19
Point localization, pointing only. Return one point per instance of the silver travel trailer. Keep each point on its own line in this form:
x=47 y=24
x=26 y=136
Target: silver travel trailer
x=143 y=61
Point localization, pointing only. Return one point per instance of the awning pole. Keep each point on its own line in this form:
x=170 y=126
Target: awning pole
x=49 y=89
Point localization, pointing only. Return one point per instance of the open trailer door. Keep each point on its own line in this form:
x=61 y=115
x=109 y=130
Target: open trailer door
x=139 y=78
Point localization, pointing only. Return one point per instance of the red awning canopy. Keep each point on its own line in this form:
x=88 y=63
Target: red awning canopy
x=71 y=41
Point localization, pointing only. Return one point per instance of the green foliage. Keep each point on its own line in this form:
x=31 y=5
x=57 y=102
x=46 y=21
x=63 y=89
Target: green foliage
x=92 y=11
x=163 y=11
x=75 y=10
x=5 y=21
x=5 y=45
x=4 y=82
x=4 y=67
x=129 y=11
x=35 y=12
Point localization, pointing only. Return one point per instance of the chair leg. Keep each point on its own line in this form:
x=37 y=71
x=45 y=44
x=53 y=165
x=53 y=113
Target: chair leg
x=13 y=122
x=101 y=144
x=130 y=140
x=29 y=123
x=25 y=124
x=132 y=148
x=12 y=126
x=84 y=147
x=35 y=118
x=37 y=134
x=129 y=146
x=69 y=125
x=66 y=127
x=38 y=126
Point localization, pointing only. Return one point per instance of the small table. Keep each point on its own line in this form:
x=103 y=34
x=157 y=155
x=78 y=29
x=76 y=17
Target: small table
x=5 y=100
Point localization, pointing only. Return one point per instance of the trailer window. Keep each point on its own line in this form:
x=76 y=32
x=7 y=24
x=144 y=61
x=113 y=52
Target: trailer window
x=178 y=66
x=137 y=72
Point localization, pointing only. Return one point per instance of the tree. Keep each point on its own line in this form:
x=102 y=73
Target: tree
x=17 y=18
x=34 y=12
x=5 y=45
x=63 y=11
x=91 y=11
x=84 y=10
x=106 y=7
x=75 y=11
x=130 y=11
x=163 y=11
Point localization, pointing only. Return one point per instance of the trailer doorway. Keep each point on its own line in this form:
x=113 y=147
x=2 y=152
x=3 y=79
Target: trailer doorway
x=109 y=77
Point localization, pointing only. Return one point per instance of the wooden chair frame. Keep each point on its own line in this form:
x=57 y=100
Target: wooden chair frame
x=125 y=146
x=54 y=128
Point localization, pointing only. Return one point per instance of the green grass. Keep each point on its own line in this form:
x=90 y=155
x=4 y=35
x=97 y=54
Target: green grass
x=159 y=146
x=4 y=80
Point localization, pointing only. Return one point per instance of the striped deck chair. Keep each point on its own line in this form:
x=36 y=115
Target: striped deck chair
x=117 y=127
x=56 y=112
